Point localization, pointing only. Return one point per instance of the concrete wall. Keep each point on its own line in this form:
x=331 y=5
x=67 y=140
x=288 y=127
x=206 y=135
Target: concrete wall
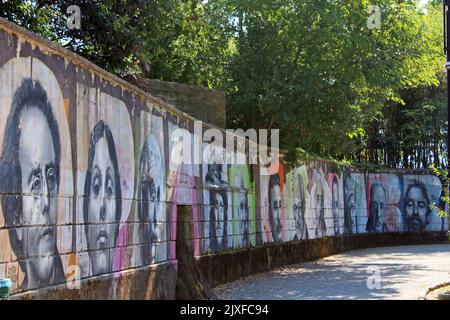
x=89 y=195
x=201 y=103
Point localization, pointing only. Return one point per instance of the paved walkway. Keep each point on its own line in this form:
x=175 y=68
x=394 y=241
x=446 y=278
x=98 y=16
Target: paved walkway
x=405 y=273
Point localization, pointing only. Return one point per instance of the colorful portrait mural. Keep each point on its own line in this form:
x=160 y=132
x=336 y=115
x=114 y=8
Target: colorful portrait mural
x=90 y=181
x=244 y=206
x=297 y=203
x=419 y=192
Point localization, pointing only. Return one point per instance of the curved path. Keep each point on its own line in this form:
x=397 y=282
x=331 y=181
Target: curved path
x=404 y=272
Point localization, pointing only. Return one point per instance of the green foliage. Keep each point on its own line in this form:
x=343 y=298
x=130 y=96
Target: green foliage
x=312 y=69
x=442 y=174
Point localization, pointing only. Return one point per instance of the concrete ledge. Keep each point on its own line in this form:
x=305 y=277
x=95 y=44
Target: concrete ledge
x=227 y=267
x=156 y=282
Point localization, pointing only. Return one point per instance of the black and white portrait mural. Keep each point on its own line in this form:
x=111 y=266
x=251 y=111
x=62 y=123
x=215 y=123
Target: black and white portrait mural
x=102 y=205
x=244 y=208
x=298 y=199
x=377 y=209
x=274 y=197
x=417 y=209
x=150 y=229
x=355 y=207
x=419 y=193
x=35 y=163
x=272 y=192
x=216 y=198
x=108 y=180
x=218 y=220
x=318 y=202
x=335 y=207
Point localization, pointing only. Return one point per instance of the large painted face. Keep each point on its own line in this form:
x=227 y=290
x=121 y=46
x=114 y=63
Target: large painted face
x=351 y=207
x=151 y=194
x=275 y=212
x=243 y=211
x=219 y=214
x=320 y=202
x=102 y=209
x=377 y=207
x=335 y=207
x=299 y=205
x=416 y=209
x=39 y=184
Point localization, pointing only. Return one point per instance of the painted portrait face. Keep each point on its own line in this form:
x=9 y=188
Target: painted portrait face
x=151 y=184
x=335 y=206
x=151 y=203
x=275 y=212
x=243 y=212
x=320 y=210
x=39 y=184
x=299 y=207
x=416 y=209
x=377 y=207
x=102 y=209
x=351 y=209
x=219 y=214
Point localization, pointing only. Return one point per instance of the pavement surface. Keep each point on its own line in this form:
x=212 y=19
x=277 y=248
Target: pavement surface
x=392 y=273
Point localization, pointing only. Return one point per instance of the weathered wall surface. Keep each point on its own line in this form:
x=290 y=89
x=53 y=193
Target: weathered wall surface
x=89 y=195
x=202 y=103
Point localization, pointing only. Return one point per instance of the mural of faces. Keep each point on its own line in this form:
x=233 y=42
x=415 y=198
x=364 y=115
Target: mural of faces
x=150 y=193
x=321 y=227
x=102 y=203
x=335 y=206
x=377 y=207
x=417 y=208
x=32 y=138
x=299 y=210
x=275 y=207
